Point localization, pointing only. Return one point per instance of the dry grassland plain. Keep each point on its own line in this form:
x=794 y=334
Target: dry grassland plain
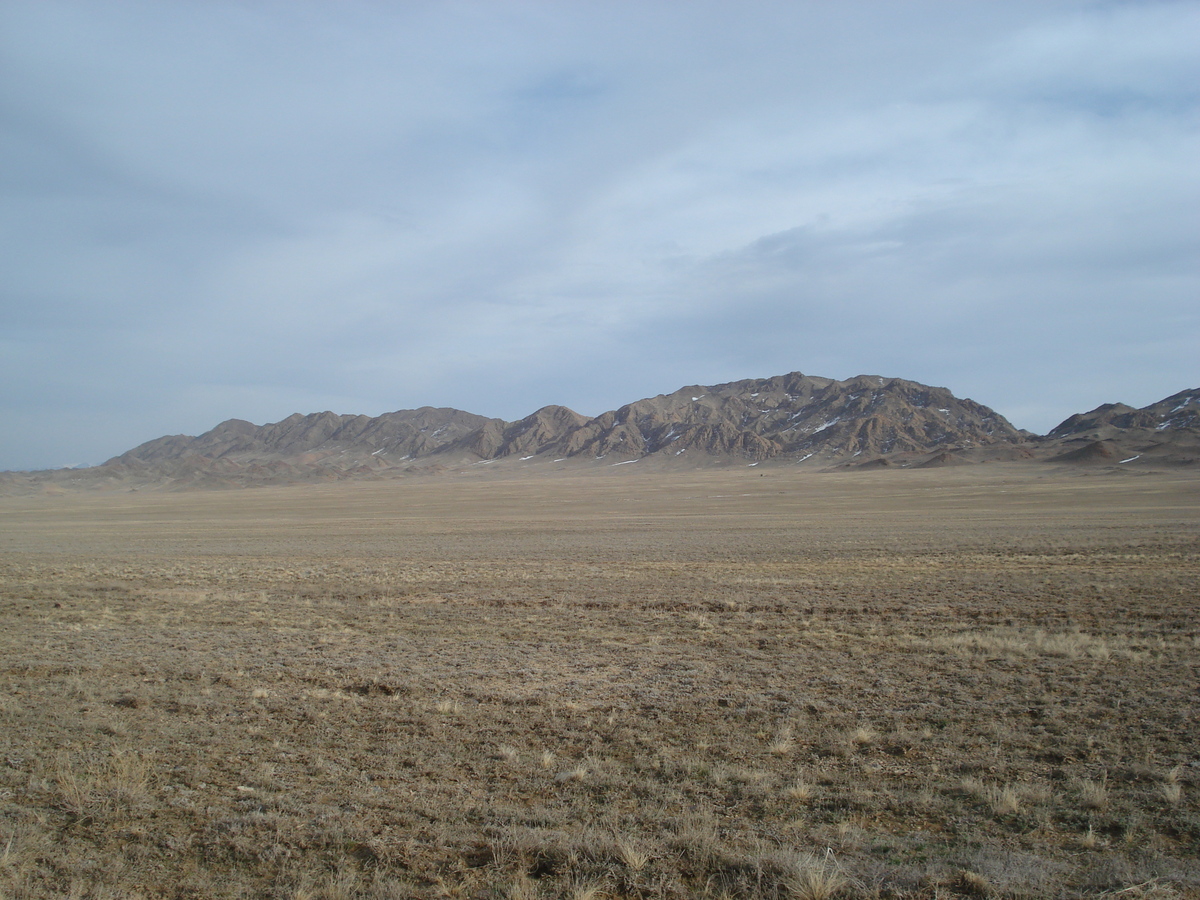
x=744 y=683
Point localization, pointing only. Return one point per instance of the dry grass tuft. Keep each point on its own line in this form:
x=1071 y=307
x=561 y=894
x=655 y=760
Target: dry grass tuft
x=864 y=736
x=587 y=890
x=1093 y=794
x=1154 y=889
x=119 y=783
x=522 y=887
x=576 y=773
x=1004 y=801
x=632 y=856
x=783 y=743
x=816 y=878
x=1171 y=792
x=1170 y=789
x=346 y=884
x=801 y=790
x=973 y=884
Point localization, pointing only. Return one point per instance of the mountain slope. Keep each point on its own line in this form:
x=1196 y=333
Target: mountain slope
x=1167 y=431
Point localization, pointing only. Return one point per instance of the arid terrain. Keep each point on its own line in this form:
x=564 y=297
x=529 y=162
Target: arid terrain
x=744 y=683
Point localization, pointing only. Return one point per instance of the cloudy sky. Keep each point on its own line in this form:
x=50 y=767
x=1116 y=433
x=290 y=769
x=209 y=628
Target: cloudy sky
x=247 y=208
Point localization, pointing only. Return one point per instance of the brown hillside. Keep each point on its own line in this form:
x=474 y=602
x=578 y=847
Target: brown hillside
x=793 y=418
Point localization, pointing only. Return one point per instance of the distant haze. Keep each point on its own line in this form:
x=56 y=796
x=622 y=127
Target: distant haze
x=227 y=209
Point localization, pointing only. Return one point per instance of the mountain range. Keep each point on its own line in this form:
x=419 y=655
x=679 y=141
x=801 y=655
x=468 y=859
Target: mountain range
x=792 y=419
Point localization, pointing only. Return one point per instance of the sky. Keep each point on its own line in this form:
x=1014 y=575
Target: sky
x=215 y=209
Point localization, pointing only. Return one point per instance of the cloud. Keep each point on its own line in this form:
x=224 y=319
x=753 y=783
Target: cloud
x=221 y=209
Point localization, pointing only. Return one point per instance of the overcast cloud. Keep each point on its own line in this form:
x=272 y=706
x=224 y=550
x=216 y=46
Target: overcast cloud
x=222 y=209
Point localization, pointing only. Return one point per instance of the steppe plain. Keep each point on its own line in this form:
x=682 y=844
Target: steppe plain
x=749 y=682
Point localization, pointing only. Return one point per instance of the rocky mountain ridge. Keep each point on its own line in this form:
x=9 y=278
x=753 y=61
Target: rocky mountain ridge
x=407 y=434
x=793 y=419
x=1166 y=432
x=792 y=416
x=1178 y=411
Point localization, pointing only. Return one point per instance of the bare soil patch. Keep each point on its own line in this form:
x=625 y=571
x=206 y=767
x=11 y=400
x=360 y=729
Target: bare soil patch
x=958 y=682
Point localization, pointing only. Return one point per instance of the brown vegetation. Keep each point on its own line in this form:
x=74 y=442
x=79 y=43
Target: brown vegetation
x=958 y=682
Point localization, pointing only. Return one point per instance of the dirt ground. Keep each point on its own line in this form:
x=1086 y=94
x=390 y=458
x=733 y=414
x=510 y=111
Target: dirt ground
x=981 y=681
